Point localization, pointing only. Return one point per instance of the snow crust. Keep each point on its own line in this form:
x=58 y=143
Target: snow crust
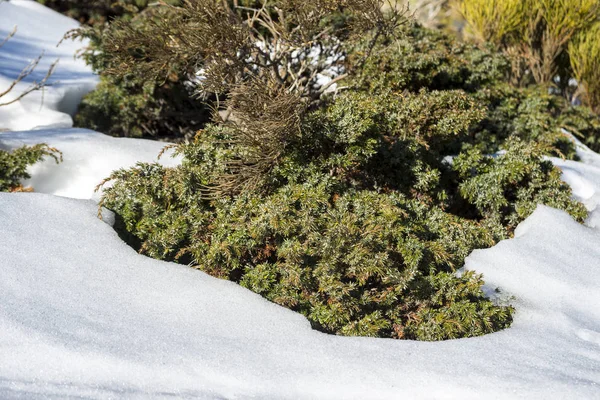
x=88 y=158
x=84 y=315
x=39 y=30
x=584 y=179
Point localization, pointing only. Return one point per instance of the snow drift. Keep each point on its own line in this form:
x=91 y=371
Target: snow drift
x=88 y=158
x=84 y=315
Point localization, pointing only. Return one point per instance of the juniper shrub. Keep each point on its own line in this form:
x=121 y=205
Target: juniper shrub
x=359 y=209
x=13 y=165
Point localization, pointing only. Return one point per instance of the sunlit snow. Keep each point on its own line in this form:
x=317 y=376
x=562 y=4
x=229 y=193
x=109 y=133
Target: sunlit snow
x=39 y=31
x=88 y=158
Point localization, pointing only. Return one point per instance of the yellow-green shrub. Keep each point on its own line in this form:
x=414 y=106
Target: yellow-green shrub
x=495 y=21
x=585 y=60
x=537 y=33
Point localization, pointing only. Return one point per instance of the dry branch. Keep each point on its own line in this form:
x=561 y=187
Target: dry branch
x=25 y=72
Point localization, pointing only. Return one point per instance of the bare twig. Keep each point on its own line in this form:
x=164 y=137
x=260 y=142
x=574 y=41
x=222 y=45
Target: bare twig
x=270 y=59
x=25 y=72
x=10 y=35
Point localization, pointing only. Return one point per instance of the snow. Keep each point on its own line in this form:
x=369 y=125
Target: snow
x=88 y=158
x=83 y=315
x=584 y=179
x=39 y=30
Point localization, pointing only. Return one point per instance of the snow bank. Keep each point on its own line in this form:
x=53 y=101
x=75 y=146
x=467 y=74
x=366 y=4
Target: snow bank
x=39 y=30
x=84 y=315
x=584 y=178
x=88 y=158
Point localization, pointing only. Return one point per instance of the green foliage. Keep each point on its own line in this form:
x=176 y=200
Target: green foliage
x=358 y=210
x=354 y=261
x=121 y=108
x=13 y=165
x=533 y=115
x=137 y=106
x=350 y=227
x=584 y=124
x=424 y=58
x=116 y=111
x=274 y=41
x=508 y=187
x=497 y=21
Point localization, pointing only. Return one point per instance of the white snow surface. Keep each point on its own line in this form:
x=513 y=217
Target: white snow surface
x=584 y=179
x=88 y=158
x=82 y=315
x=39 y=30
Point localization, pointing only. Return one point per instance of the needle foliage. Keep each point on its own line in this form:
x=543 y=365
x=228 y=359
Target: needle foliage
x=355 y=207
x=14 y=164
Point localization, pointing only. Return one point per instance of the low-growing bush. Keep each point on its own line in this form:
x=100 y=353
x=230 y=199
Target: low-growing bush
x=317 y=237
x=132 y=106
x=355 y=207
x=13 y=165
x=424 y=59
x=142 y=109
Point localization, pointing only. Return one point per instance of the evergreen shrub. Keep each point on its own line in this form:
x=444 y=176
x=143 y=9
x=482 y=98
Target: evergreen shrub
x=132 y=106
x=13 y=165
x=355 y=207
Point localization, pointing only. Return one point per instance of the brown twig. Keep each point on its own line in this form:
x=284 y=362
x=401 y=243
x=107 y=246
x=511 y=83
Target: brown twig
x=25 y=72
